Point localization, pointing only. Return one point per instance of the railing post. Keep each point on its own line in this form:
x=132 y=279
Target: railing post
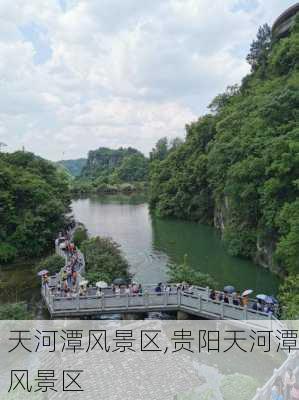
x=199 y=298
x=78 y=301
x=127 y=300
x=208 y=292
x=165 y=298
x=245 y=312
x=179 y=298
x=103 y=301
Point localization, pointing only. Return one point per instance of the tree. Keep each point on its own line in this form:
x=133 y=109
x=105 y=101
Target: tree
x=260 y=47
x=53 y=263
x=34 y=198
x=159 y=152
x=289 y=297
x=184 y=273
x=17 y=311
x=104 y=260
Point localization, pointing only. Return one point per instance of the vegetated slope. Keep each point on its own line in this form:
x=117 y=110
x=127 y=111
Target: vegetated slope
x=125 y=164
x=74 y=167
x=34 y=196
x=239 y=165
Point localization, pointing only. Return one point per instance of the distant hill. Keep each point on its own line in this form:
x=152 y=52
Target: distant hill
x=125 y=164
x=74 y=167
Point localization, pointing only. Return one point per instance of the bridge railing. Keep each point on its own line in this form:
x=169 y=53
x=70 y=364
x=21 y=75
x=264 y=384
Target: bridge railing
x=180 y=300
x=290 y=363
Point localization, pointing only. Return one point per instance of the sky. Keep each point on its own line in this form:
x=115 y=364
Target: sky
x=76 y=75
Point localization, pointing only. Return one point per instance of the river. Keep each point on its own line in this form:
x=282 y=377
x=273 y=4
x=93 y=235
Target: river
x=150 y=243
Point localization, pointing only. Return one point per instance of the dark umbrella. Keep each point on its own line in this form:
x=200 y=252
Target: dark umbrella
x=120 y=281
x=229 y=289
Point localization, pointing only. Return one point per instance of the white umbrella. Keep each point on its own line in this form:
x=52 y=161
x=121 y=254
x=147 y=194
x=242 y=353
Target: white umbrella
x=83 y=282
x=102 y=284
x=247 y=292
x=43 y=272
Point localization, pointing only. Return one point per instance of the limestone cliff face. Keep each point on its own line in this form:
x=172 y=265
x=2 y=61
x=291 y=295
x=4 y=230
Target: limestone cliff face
x=265 y=249
x=221 y=213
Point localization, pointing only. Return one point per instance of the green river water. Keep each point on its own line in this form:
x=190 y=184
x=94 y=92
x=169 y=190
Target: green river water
x=149 y=244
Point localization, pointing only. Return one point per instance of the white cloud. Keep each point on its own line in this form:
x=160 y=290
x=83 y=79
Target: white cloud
x=117 y=72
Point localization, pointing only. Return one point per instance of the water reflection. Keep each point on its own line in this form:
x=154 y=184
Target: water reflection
x=150 y=243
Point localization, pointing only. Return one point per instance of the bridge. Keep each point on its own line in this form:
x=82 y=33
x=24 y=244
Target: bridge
x=196 y=303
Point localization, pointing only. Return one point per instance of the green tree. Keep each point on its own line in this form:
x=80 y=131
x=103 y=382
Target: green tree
x=53 y=263
x=104 y=260
x=80 y=235
x=260 y=47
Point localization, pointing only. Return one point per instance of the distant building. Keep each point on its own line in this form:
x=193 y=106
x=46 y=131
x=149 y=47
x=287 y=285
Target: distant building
x=284 y=22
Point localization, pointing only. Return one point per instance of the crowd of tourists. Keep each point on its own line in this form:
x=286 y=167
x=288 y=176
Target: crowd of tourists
x=286 y=387
x=243 y=300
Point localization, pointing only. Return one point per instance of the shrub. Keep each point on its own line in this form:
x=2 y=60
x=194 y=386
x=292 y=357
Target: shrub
x=17 y=311
x=7 y=252
x=80 y=235
x=104 y=260
x=52 y=263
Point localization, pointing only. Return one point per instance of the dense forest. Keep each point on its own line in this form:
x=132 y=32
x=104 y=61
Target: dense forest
x=108 y=171
x=34 y=197
x=239 y=165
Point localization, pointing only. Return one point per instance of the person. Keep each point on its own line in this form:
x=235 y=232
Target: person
x=45 y=280
x=213 y=295
x=220 y=296
x=226 y=298
x=74 y=277
x=254 y=306
x=117 y=291
x=81 y=291
x=295 y=392
x=245 y=301
x=140 y=289
x=158 y=288
x=288 y=382
x=276 y=393
x=259 y=305
x=69 y=275
x=99 y=292
x=236 y=301
x=127 y=290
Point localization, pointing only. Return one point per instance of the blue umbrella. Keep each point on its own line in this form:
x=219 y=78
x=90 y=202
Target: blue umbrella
x=229 y=289
x=262 y=297
x=269 y=300
x=275 y=301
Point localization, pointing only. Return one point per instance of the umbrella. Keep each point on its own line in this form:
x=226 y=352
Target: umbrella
x=247 y=292
x=43 y=272
x=83 y=282
x=269 y=300
x=275 y=301
x=229 y=289
x=102 y=284
x=261 y=297
x=119 y=281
